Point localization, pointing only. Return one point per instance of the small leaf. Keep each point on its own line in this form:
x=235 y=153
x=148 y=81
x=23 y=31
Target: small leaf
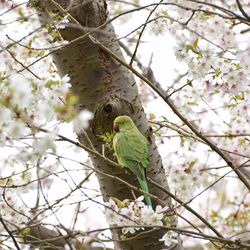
x=190 y=82
x=71 y=99
x=241 y=141
x=151 y=116
x=191 y=163
x=237 y=65
x=123 y=237
x=190 y=166
x=108 y=139
x=217 y=71
x=25 y=231
x=195 y=43
x=20 y=12
x=50 y=83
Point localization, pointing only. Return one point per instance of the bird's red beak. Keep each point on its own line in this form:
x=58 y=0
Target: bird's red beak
x=115 y=127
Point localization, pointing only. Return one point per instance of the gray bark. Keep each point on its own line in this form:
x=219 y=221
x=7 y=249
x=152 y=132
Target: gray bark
x=107 y=89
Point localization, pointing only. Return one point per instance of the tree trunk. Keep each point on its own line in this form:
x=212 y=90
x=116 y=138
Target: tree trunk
x=108 y=89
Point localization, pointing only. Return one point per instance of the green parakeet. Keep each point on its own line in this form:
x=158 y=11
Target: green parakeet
x=131 y=150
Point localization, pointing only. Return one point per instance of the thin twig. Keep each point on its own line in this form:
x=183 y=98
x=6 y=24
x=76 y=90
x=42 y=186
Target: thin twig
x=140 y=35
x=10 y=233
x=19 y=62
x=187 y=207
x=242 y=10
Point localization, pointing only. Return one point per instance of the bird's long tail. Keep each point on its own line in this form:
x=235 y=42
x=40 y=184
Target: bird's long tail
x=144 y=187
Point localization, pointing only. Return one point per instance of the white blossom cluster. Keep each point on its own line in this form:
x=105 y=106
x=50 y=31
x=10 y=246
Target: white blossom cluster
x=135 y=215
x=12 y=210
x=185 y=178
x=29 y=97
x=216 y=56
x=36 y=97
x=32 y=96
x=208 y=45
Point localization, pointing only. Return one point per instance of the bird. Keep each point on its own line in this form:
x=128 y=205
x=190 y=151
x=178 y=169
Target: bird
x=131 y=150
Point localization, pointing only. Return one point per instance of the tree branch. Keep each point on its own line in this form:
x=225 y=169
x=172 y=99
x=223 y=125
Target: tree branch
x=10 y=233
x=192 y=127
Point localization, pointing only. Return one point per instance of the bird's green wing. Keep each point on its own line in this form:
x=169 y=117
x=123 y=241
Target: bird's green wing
x=131 y=151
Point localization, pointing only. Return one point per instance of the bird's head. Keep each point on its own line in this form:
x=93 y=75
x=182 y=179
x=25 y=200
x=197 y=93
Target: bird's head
x=123 y=122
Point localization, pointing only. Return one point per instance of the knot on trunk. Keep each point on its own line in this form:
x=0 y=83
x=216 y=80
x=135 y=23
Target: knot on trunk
x=107 y=111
